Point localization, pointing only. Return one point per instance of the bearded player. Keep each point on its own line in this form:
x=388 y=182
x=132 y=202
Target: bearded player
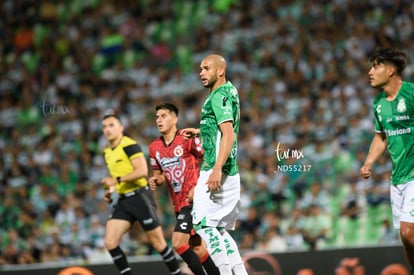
x=217 y=193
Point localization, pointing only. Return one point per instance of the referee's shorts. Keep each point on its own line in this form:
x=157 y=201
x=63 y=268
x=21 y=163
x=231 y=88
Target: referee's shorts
x=138 y=205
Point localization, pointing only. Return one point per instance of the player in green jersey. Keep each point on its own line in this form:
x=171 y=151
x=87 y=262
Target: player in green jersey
x=217 y=193
x=394 y=131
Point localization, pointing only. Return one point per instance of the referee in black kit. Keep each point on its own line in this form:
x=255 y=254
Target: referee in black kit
x=128 y=168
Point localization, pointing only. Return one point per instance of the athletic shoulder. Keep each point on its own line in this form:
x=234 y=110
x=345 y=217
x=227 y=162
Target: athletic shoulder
x=409 y=84
x=126 y=141
x=378 y=98
x=156 y=141
x=408 y=87
x=180 y=135
x=180 y=139
x=131 y=147
x=227 y=91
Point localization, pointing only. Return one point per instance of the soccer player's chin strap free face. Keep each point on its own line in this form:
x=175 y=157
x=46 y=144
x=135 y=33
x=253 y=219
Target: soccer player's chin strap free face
x=112 y=128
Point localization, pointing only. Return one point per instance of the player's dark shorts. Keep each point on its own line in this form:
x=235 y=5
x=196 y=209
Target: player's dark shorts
x=185 y=225
x=137 y=206
x=185 y=220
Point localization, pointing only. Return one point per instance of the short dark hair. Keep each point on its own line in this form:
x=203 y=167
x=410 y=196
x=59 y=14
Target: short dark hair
x=390 y=55
x=111 y=113
x=167 y=106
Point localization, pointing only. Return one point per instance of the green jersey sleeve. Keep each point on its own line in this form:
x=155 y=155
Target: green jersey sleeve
x=222 y=106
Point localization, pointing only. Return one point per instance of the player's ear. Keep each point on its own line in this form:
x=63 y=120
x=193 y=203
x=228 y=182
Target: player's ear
x=220 y=72
x=392 y=70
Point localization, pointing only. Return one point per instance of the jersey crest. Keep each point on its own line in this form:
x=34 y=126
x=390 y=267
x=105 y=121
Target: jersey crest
x=178 y=151
x=401 y=106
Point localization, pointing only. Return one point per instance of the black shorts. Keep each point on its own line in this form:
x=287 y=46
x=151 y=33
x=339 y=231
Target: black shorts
x=185 y=225
x=185 y=220
x=140 y=207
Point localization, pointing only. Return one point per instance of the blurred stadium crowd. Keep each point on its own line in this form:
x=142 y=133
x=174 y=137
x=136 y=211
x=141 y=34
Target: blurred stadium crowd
x=301 y=68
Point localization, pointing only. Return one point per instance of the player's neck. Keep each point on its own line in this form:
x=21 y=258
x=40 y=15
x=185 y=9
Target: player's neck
x=218 y=84
x=169 y=137
x=115 y=142
x=392 y=89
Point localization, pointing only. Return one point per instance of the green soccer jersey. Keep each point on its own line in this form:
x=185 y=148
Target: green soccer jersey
x=395 y=118
x=221 y=105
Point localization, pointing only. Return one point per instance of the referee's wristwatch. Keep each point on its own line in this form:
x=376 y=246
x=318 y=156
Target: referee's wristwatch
x=118 y=179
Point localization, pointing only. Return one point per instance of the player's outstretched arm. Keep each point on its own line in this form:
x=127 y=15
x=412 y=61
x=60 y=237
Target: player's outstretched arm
x=190 y=132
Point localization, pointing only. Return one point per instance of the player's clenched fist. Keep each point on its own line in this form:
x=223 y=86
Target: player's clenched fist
x=156 y=180
x=365 y=171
